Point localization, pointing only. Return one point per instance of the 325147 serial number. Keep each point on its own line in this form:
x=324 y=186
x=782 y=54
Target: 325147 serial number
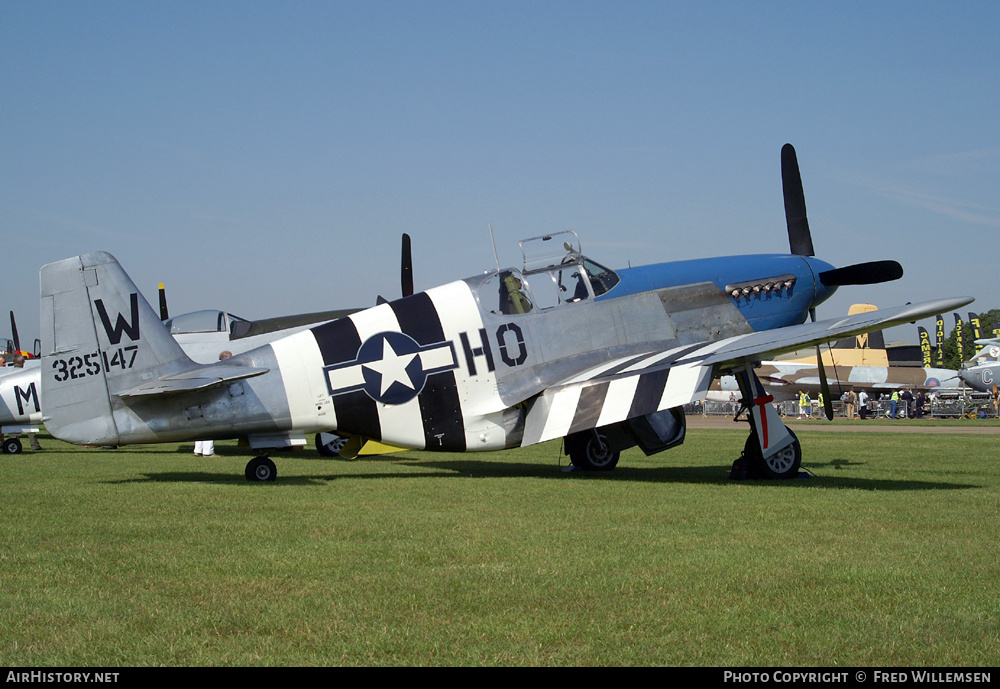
x=76 y=367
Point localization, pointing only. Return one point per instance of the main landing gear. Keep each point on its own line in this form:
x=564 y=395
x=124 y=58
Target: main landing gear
x=771 y=450
x=784 y=463
x=590 y=451
x=598 y=449
x=330 y=444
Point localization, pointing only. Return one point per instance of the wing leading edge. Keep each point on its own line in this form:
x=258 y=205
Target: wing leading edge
x=639 y=385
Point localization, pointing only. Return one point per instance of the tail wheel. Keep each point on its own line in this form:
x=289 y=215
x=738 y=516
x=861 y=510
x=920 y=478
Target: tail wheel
x=261 y=469
x=589 y=451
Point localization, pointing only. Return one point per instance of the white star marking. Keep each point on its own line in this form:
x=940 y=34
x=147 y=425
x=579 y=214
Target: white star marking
x=392 y=367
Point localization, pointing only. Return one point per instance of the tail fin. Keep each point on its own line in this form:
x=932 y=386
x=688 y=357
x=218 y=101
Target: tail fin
x=861 y=350
x=100 y=337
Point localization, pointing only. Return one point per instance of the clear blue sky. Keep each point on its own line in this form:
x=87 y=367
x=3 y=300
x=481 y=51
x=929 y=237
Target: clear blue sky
x=265 y=157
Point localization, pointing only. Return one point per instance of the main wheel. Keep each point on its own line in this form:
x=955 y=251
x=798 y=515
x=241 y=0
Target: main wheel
x=783 y=464
x=589 y=451
x=261 y=469
x=329 y=444
x=11 y=446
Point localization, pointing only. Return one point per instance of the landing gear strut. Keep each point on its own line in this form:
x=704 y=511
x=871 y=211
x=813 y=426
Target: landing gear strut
x=771 y=450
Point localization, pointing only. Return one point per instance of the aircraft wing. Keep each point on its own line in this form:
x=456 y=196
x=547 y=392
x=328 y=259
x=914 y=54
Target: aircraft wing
x=635 y=386
x=198 y=378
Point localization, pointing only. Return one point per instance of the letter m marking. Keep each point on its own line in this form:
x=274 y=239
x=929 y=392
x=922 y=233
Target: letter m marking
x=121 y=325
x=29 y=395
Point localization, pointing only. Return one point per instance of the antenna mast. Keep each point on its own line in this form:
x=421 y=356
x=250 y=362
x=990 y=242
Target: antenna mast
x=494 y=242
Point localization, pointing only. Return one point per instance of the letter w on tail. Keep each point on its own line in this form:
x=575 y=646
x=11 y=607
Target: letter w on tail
x=121 y=325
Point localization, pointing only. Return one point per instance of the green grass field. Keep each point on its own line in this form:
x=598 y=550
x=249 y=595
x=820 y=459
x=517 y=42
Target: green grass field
x=888 y=556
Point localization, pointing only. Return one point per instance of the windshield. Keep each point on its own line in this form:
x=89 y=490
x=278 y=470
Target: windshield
x=601 y=279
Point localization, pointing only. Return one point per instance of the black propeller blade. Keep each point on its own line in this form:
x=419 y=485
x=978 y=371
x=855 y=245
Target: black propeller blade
x=36 y=352
x=799 y=239
x=163 y=304
x=406 y=269
x=13 y=330
x=405 y=272
x=862 y=274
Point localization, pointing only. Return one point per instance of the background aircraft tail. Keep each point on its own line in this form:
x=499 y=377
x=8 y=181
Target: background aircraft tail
x=100 y=339
x=861 y=350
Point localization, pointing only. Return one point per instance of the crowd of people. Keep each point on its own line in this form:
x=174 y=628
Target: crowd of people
x=903 y=403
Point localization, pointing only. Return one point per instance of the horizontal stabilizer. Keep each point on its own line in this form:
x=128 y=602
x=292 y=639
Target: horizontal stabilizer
x=199 y=378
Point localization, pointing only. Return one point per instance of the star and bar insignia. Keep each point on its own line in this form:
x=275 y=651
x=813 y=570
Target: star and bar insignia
x=391 y=368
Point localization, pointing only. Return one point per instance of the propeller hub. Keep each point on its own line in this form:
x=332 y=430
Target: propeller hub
x=821 y=290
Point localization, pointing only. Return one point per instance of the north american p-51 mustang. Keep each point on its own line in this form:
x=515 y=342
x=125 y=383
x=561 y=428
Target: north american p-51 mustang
x=563 y=347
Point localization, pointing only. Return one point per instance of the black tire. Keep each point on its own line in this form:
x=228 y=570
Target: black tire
x=784 y=464
x=11 y=446
x=261 y=469
x=589 y=451
x=329 y=444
